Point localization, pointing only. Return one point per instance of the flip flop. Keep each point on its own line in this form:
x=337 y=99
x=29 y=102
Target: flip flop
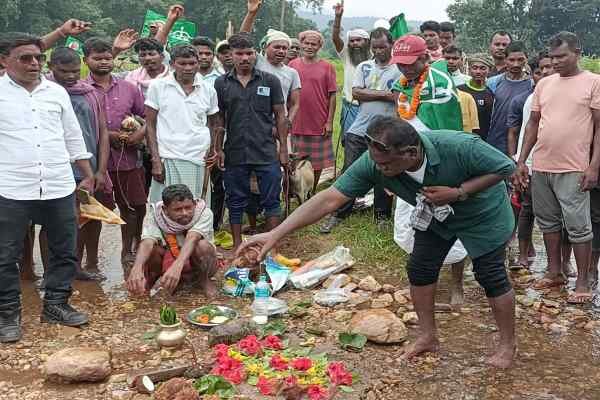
x=547 y=283
x=579 y=298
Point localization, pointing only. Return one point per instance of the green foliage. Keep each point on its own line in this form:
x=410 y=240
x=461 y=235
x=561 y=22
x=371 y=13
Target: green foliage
x=532 y=21
x=168 y=315
x=352 y=341
x=214 y=385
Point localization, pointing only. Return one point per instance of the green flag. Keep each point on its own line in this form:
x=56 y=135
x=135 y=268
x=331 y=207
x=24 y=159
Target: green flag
x=74 y=44
x=439 y=107
x=182 y=33
x=398 y=26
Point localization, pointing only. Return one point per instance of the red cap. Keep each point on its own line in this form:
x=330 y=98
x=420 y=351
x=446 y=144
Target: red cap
x=407 y=49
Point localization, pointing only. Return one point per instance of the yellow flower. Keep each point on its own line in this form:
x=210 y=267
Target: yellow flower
x=236 y=355
x=317 y=381
x=254 y=369
x=303 y=381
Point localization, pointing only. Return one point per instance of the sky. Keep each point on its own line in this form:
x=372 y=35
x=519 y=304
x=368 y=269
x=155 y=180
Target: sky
x=414 y=10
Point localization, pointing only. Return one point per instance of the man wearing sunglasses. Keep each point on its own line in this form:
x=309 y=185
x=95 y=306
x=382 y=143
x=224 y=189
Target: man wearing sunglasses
x=448 y=168
x=39 y=138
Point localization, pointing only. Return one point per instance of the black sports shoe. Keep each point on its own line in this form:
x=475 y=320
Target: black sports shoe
x=10 y=323
x=63 y=314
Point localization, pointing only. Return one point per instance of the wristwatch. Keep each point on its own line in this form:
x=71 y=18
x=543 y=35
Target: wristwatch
x=462 y=195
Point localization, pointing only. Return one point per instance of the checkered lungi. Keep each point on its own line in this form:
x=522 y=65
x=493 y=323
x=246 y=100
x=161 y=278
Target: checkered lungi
x=179 y=172
x=319 y=149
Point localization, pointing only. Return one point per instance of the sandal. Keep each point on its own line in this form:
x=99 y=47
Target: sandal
x=579 y=298
x=547 y=283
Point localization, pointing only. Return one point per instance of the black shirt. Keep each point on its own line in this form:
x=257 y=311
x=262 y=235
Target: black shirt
x=484 y=98
x=249 y=119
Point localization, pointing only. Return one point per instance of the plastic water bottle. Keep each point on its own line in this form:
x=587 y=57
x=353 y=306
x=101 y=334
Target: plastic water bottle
x=262 y=295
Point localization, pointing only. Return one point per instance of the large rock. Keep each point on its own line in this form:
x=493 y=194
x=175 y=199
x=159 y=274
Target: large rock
x=232 y=332
x=369 y=284
x=345 y=279
x=78 y=364
x=379 y=326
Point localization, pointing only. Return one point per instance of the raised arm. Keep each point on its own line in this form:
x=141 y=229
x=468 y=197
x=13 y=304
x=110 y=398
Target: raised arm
x=248 y=22
x=124 y=41
x=337 y=27
x=176 y=11
x=71 y=27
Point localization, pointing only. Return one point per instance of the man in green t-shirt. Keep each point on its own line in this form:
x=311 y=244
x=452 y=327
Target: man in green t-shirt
x=432 y=170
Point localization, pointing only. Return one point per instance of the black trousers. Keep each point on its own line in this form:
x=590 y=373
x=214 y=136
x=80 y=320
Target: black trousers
x=60 y=221
x=354 y=147
x=217 y=197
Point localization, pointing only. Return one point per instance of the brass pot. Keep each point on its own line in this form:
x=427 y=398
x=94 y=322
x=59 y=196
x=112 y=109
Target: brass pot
x=171 y=335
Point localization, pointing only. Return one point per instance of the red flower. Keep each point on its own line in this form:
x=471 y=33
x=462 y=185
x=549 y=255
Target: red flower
x=278 y=363
x=272 y=342
x=316 y=392
x=302 y=364
x=221 y=350
x=338 y=374
x=250 y=345
x=235 y=376
x=266 y=386
x=290 y=381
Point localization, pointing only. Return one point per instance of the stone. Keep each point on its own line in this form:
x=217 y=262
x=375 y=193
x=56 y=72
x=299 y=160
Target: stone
x=67 y=332
x=359 y=299
x=343 y=315
x=369 y=284
x=557 y=328
x=176 y=388
x=345 y=279
x=410 y=318
x=590 y=326
x=383 y=301
x=387 y=288
x=400 y=298
x=78 y=364
x=551 y=303
x=379 y=326
x=550 y=310
x=524 y=300
x=232 y=332
x=118 y=378
x=443 y=308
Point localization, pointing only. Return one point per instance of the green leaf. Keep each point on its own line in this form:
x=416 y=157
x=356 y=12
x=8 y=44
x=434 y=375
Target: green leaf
x=212 y=384
x=352 y=341
x=276 y=328
x=253 y=380
x=303 y=304
x=345 y=389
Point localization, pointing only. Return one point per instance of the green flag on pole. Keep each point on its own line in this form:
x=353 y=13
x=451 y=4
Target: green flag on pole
x=182 y=33
x=398 y=26
x=74 y=44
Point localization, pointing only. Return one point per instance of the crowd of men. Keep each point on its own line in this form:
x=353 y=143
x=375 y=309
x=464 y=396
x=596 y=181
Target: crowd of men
x=173 y=142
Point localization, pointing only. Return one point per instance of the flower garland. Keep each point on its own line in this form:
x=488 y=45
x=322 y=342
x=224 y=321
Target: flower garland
x=405 y=112
x=268 y=366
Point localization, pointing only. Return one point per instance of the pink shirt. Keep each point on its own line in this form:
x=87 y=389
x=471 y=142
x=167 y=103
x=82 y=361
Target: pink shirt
x=318 y=82
x=566 y=128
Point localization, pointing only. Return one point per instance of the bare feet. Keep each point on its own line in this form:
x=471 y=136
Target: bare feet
x=423 y=344
x=209 y=288
x=504 y=357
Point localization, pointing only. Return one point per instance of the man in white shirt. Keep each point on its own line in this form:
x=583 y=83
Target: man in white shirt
x=356 y=50
x=39 y=138
x=181 y=111
x=206 y=59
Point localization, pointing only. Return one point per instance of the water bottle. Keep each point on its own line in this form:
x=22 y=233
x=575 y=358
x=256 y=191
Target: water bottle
x=262 y=295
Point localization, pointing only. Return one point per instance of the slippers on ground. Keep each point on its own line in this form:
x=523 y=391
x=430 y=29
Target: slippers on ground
x=547 y=283
x=579 y=298
x=224 y=240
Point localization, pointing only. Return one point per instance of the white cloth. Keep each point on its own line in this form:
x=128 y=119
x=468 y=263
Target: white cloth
x=423 y=213
x=459 y=78
x=181 y=125
x=204 y=227
x=419 y=175
x=288 y=77
x=526 y=115
x=211 y=77
x=273 y=35
x=39 y=138
x=359 y=33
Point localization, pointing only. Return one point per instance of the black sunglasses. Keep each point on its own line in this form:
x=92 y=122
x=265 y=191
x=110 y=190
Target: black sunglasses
x=377 y=144
x=28 y=58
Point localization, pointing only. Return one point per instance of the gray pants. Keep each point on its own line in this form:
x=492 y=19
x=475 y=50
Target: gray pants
x=557 y=199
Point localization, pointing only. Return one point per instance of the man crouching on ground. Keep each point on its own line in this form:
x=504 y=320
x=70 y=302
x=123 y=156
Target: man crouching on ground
x=177 y=242
x=434 y=169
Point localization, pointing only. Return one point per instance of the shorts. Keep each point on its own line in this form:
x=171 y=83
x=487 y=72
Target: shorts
x=237 y=187
x=595 y=215
x=557 y=199
x=430 y=251
x=129 y=187
x=318 y=148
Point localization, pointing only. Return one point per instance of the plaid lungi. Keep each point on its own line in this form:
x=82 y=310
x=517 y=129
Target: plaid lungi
x=179 y=171
x=317 y=147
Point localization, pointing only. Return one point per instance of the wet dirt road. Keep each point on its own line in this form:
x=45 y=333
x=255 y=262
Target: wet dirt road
x=559 y=357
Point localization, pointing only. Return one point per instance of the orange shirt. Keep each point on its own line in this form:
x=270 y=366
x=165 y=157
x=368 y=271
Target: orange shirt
x=566 y=128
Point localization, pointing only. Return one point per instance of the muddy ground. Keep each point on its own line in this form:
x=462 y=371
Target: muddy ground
x=559 y=357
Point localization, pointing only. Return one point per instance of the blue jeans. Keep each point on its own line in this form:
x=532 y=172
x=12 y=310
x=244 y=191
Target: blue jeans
x=60 y=221
x=237 y=187
x=348 y=115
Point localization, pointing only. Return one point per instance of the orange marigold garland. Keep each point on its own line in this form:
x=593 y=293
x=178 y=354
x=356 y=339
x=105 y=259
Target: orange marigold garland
x=408 y=113
x=173 y=245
